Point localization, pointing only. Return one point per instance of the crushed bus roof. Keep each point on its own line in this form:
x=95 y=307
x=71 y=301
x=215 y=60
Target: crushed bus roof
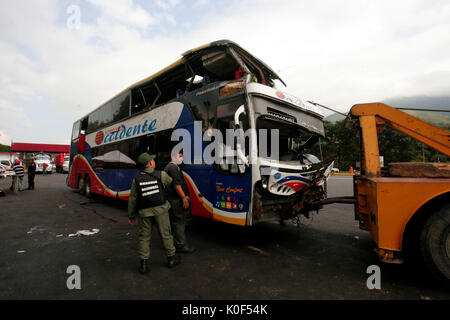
x=216 y=44
x=197 y=53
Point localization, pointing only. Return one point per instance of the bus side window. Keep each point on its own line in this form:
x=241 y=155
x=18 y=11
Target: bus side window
x=120 y=107
x=76 y=130
x=84 y=125
x=138 y=101
x=130 y=151
x=150 y=144
x=98 y=161
x=163 y=148
x=111 y=156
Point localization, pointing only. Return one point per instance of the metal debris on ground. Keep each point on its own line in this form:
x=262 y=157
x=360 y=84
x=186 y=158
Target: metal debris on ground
x=258 y=250
x=36 y=228
x=84 y=233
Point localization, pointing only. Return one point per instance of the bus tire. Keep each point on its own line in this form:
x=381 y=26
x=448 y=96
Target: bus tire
x=82 y=186
x=87 y=188
x=435 y=243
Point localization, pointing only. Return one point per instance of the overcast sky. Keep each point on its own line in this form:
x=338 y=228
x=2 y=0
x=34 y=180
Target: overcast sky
x=337 y=53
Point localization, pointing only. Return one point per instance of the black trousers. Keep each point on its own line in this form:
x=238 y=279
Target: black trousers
x=31 y=181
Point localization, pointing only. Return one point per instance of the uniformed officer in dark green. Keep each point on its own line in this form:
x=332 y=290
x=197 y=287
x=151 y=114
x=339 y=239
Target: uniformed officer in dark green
x=148 y=204
x=179 y=200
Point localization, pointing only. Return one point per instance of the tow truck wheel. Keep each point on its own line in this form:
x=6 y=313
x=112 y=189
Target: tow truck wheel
x=435 y=243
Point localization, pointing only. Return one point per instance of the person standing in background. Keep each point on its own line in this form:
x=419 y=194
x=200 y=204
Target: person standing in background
x=20 y=172
x=31 y=174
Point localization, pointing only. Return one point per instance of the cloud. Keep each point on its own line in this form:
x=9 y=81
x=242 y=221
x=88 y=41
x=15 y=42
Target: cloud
x=199 y=3
x=125 y=11
x=13 y=118
x=5 y=139
x=167 y=4
x=345 y=53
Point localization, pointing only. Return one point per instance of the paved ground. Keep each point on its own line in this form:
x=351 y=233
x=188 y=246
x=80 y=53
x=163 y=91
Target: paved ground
x=326 y=258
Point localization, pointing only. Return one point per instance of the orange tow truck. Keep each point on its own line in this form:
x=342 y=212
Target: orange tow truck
x=410 y=203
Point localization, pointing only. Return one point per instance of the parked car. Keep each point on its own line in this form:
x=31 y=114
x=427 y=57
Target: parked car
x=6 y=163
x=43 y=160
x=2 y=171
x=5 y=171
x=66 y=164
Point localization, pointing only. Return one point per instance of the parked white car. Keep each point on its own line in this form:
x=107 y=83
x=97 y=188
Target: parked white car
x=2 y=171
x=43 y=160
x=66 y=164
x=5 y=171
x=6 y=163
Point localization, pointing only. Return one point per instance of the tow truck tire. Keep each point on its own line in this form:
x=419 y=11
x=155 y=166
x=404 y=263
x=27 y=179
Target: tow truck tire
x=435 y=243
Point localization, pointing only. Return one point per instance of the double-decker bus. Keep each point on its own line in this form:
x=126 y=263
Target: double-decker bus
x=217 y=86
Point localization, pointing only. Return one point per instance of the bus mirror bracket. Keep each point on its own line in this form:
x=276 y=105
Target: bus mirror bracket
x=240 y=154
x=240 y=111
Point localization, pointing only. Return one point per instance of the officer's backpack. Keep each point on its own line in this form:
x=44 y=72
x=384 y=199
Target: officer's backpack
x=151 y=191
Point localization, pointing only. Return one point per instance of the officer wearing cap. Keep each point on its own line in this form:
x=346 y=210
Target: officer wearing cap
x=148 y=204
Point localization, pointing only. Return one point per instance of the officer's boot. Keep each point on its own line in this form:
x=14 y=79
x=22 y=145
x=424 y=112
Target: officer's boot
x=173 y=261
x=144 y=267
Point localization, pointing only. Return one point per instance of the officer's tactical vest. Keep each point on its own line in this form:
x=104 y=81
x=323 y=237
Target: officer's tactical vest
x=150 y=189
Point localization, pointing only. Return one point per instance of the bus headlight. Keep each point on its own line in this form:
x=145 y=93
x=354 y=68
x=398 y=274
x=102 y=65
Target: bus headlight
x=264 y=181
x=265 y=175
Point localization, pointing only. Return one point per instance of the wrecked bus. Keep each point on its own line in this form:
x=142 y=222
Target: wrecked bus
x=213 y=88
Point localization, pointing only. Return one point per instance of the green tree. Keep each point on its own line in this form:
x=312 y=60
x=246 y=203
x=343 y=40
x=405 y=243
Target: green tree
x=4 y=148
x=347 y=139
x=394 y=146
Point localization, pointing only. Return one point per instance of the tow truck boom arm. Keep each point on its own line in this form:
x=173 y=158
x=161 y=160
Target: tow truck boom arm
x=372 y=115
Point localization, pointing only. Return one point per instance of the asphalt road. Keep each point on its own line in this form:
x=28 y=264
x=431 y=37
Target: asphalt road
x=326 y=258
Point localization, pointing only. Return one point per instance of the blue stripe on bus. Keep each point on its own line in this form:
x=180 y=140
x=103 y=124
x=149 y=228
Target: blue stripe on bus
x=290 y=178
x=117 y=179
x=186 y=120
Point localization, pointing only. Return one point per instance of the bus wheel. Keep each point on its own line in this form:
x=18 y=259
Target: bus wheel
x=435 y=243
x=87 y=188
x=82 y=186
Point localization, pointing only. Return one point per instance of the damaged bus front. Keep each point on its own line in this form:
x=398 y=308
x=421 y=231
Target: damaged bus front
x=287 y=152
